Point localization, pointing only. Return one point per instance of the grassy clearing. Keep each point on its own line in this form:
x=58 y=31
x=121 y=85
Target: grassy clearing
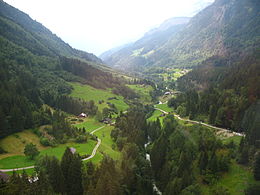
x=89 y=124
x=155 y=115
x=137 y=52
x=15 y=143
x=236 y=180
x=173 y=74
x=236 y=139
x=143 y=91
x=164 y=107
x=88 y=93
x=27 y=171
x=17 y=161
x=106 y=146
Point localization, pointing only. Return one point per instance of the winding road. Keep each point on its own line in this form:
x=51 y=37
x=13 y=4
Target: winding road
x=91 y=156
x=201 y=123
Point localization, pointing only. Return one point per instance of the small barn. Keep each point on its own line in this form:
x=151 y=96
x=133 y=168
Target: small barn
x=83 y=115
x=72 y=150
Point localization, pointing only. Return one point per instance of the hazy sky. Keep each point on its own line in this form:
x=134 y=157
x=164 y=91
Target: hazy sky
x=98 y=25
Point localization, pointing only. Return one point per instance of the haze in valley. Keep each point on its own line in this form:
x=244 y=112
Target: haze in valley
x=96 y=26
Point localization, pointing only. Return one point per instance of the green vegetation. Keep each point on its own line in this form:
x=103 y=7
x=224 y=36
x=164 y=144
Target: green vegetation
x=235 y=180
x=172 y=74
x=137 y=52
x=108 y=146
x=89 y=124
x=190 y=45
x=88 y=93
x=236 y=139
x=23 y=161
x=155 y=115
x=143 y=91
x=164 y=107
x=15 y=143
x=31 y=151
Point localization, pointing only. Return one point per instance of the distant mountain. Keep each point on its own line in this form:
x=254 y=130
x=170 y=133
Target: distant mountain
x=108 y=53
x=137 y=54
x=34 y=36
x=226 y=26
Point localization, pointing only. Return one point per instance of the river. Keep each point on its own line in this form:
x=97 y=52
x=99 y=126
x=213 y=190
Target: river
x=147 y=156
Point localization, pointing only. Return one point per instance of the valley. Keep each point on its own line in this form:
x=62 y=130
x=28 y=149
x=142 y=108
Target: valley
x=176 y=112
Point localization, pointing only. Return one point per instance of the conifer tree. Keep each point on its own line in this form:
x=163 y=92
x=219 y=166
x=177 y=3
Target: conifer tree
x=55 y=176
x=65 y=165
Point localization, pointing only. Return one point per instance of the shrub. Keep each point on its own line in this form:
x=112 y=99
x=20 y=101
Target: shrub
x=2 y=151
x=81 y=138
x=45 y=141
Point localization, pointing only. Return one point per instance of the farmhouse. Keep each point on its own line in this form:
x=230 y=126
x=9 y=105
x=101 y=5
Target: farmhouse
x=167 y=93
x=72 y=150
x=83 y=115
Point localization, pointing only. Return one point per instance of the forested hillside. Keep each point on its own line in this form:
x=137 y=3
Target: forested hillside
x=35 y=68
x=22 y=30
x=222 y=28
x=138 y=54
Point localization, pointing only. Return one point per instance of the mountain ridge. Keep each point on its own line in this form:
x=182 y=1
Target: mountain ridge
x=137 y=53
x=51 y=42
x=219 y=29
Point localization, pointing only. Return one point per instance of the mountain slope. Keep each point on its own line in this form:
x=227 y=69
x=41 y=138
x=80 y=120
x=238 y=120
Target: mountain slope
x=222 y=28
x=34 y=36
x=35 y=68
x=138 y=54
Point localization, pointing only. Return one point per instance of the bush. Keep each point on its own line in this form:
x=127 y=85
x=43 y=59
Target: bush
x=36 y=132
x=81 y=138
x=45 y=141
x=2 y=151
x=31 y=150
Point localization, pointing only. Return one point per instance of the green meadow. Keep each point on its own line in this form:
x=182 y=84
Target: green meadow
x=17 y=161
x=164 y=107
x=235 y=180
x=107 y=147
x=143 y=91
x=89 y=124
x=88 y=93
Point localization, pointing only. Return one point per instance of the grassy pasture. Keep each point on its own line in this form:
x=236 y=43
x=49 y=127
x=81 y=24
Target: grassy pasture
x=89 y=124
x=15 y=143
x=88 y=93
x=17 y=161
x=235 y=181
x=143 y=91
x=164 y=107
